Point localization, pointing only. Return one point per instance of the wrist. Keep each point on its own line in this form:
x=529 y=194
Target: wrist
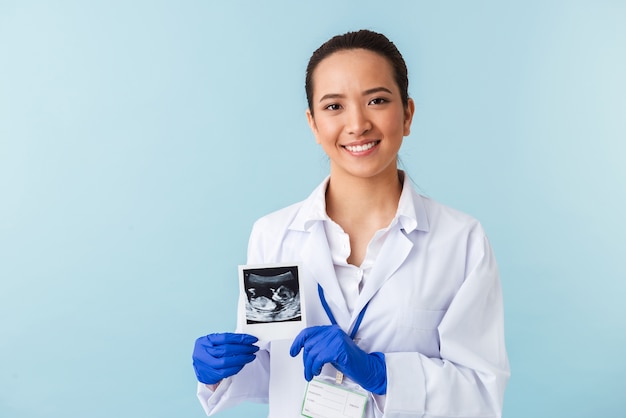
x=380 y=367
x=213 y=386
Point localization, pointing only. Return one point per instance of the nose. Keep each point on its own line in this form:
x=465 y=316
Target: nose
x=357 y=122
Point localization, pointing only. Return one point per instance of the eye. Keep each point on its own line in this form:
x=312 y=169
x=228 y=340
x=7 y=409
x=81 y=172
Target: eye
x=378 y=101
x=333 y=106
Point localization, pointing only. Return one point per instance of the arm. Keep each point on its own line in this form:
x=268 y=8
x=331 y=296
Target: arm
x=470 y=377
x=251 y=383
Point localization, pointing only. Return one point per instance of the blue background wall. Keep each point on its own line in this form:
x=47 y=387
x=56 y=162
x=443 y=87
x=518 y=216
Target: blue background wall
x=140 y=140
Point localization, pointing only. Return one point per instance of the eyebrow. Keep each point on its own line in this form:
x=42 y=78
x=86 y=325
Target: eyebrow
x=365 y=93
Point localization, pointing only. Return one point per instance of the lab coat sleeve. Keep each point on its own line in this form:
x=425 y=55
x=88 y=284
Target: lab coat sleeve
x=470 y=377
x=252 y=382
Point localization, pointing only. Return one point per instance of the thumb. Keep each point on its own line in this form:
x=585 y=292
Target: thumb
x=303 y=336
x=297 y=345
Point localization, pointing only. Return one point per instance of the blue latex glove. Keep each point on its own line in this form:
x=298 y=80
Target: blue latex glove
x=218 y=356
x=329 y=344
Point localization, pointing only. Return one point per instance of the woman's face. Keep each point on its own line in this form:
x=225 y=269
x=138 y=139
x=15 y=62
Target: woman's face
x=359 y=120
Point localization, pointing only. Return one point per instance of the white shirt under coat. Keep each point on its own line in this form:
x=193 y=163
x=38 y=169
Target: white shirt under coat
x=435 y=311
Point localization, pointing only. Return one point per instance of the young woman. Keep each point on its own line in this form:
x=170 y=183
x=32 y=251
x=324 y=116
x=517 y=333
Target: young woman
x=403 y=293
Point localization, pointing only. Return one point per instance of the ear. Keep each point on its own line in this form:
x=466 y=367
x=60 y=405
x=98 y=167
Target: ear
x=409 y=111
x=311 y=120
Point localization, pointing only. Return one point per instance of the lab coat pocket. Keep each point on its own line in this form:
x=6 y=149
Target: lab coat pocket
x=418 y=329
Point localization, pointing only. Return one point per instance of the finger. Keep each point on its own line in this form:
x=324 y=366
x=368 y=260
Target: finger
x=296 y=346
x=209 y=375
x=303 y=337
x=299 y=341
x=317 y=364
x=307 y=367
x=224 y=363
x=317 y=356
x=231 y=350
x=232 y=370
x=330 y=346
x=310 y=359
x=314 y=364
x=230 y=338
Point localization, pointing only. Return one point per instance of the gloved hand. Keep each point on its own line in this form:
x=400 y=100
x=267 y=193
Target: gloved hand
x=218 y=356
x=329 y=344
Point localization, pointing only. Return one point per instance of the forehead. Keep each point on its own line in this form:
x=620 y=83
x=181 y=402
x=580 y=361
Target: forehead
x=359 y=68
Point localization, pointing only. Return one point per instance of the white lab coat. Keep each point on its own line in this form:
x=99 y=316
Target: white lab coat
x=435 y=311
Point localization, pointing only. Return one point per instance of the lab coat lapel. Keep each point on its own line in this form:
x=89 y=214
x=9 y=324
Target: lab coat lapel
x=318 y=261
x=394 y=251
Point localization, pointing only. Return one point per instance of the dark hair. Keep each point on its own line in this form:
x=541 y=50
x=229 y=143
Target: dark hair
x=362 y=39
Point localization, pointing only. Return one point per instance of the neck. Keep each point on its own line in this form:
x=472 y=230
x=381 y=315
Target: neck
x=351 y=200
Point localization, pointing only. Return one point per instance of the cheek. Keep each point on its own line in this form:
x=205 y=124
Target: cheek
x=326 y=132
x=399 y=126
x=395 y=126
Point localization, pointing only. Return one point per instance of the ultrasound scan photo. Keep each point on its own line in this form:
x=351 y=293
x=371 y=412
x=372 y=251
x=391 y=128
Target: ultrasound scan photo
x=273 y=295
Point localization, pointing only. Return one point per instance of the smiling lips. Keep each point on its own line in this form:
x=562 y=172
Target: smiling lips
x=361 y=148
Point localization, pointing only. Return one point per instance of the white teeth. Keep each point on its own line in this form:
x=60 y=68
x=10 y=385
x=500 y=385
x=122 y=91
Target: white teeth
x=361 y=148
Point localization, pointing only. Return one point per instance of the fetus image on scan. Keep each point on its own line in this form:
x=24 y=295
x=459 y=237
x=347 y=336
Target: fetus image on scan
x=273 y=295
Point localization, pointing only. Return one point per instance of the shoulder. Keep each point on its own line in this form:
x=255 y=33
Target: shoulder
x=447 y=216
x=298 y=215
x=271 y=233
x=428 y=217
x=431 y=214
x=275 y=235
x=280 y=219
x=455 y=235
x=444 y=223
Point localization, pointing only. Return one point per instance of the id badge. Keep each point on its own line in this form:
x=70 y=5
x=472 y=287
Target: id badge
x=326 y=399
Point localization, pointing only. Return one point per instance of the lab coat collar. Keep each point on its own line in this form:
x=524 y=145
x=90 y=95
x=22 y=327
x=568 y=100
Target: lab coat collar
x=410 y=216
x=317 y=258
x=394 y=251
x=313 y=209
x=411 y=213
